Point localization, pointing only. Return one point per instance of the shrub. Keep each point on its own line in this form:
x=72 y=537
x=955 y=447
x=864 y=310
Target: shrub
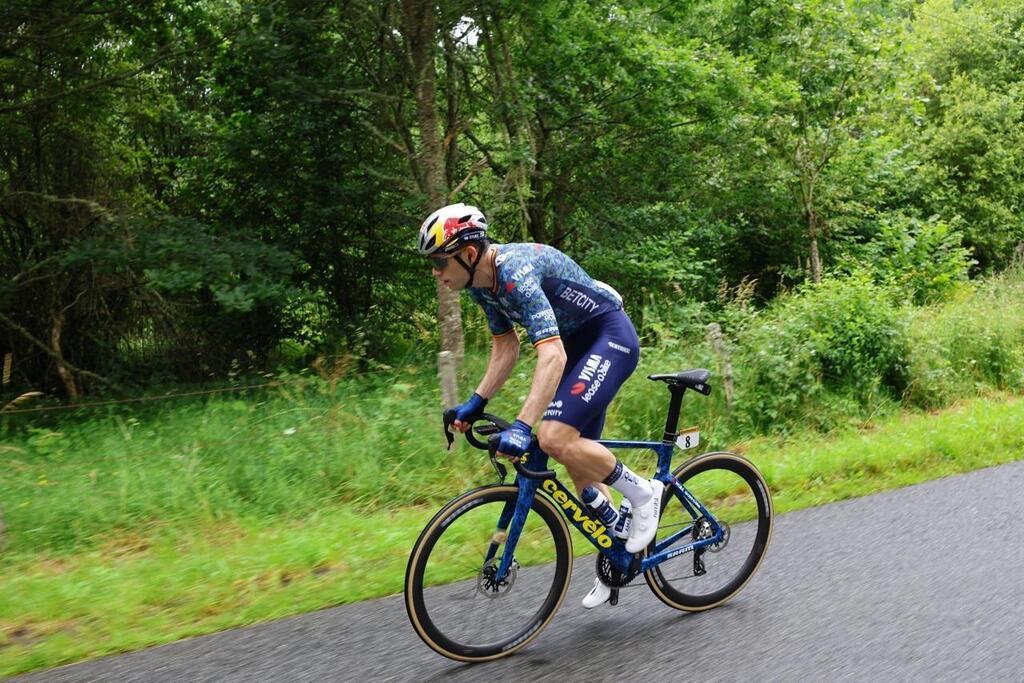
x=971 y=343
x=925 y=260
x=845 y=337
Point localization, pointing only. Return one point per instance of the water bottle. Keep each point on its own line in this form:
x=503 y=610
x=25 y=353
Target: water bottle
x=600 y=506
x=621 y=529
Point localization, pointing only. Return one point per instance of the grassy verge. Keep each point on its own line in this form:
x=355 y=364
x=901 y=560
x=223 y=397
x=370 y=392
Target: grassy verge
x=135 y=589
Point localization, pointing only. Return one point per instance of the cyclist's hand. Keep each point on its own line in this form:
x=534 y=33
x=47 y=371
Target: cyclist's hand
x=466 y=412
x=514 y=441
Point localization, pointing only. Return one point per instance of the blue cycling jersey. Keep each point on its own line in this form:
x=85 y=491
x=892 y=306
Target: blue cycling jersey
x=543 y=290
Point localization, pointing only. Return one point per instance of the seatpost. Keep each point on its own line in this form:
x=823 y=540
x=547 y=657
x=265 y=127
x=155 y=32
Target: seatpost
x=672 y=423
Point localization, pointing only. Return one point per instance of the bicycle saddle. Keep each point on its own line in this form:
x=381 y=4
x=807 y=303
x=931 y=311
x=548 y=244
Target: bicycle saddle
x=696 y=379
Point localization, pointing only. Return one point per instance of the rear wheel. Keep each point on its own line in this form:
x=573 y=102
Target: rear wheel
x=735 y=494
x=453 y=600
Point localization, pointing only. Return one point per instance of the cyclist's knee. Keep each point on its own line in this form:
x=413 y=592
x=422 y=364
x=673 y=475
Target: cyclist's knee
x=557 y=439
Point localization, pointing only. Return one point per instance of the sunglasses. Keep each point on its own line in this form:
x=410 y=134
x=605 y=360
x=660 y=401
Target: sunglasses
x=438 y=262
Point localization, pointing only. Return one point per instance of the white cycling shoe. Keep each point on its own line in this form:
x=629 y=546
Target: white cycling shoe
x=598 y=595
x=645 y=520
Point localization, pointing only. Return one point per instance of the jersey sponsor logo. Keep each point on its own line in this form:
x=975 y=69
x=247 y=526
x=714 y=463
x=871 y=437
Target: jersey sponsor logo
x=590 y=367
x=522 y=271
x=501 y=258
x=619 y=347
x=578 y=388
x=546 y=314
x=602 y=372
x=579 y=299
x=528 y=287
x=549 y=331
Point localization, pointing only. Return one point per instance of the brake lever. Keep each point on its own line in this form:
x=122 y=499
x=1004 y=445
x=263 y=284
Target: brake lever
x=447 y=418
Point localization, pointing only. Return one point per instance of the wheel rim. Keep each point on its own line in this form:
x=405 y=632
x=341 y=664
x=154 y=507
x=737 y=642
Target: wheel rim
x=734 y=494
x=461 y=611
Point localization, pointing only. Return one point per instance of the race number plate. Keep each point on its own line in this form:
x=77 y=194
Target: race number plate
x=688 y=438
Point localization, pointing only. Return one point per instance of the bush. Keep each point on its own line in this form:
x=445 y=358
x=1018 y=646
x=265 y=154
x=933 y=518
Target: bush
x=845 y=337
x=925 y=260
x=970 y=344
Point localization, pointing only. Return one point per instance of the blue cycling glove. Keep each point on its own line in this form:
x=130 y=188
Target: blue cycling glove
x=515 y=440
x=471 y=409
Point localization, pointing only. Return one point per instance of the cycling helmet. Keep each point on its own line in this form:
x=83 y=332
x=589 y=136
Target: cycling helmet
x=450 y=228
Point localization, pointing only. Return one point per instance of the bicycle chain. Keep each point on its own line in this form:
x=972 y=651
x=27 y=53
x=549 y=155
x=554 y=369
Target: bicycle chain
x=610 y=575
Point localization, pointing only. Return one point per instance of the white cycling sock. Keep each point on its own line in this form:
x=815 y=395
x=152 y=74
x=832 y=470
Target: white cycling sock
x=626 y=482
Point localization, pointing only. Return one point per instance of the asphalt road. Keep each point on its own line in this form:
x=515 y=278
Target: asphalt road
x=923 y=583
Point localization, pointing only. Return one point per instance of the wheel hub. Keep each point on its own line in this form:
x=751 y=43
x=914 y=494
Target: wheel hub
x=488 y=586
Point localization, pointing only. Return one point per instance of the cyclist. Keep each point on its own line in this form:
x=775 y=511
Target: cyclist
x=586 y=348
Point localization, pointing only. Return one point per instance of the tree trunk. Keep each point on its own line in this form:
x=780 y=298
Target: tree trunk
x=419 y=23
x=812 y=230
x=62 y=370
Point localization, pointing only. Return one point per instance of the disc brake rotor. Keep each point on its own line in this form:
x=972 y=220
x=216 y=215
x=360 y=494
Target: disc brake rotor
x=486 y=584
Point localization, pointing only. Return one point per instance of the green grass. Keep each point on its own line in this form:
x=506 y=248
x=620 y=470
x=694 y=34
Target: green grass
x=133 y=589
x=137 y=524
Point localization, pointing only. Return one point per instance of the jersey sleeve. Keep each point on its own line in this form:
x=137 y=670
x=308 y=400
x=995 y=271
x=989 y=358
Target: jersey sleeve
x=527 y=296
x=497 y=321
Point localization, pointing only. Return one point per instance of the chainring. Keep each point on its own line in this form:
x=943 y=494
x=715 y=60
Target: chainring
x=611 y=575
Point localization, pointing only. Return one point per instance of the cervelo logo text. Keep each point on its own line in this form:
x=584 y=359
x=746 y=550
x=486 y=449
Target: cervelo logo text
x=593 y=529
x=602 y=372
x=579 y=298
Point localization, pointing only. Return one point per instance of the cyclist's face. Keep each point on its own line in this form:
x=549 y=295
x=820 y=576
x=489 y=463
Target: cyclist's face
x=448 y=272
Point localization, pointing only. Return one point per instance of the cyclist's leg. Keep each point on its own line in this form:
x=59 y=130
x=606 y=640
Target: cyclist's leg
x=606 y=353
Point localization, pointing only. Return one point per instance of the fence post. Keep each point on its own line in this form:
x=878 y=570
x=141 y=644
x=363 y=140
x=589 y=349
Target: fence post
x=718 y=346
x=447 y=376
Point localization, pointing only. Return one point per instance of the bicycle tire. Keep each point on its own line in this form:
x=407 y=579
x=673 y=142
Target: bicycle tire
x=441 y=601
x=675 y=581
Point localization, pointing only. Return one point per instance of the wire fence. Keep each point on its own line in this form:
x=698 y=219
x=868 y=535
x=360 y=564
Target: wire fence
x=11 y=409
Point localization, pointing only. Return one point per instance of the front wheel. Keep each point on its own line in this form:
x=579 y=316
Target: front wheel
x=736 y=497
x=452 y=596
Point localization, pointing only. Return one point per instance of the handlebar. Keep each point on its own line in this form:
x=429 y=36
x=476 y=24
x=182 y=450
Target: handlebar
x=494 y=426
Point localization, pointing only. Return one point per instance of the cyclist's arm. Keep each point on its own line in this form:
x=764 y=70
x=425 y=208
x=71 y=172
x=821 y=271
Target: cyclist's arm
x=550 y=364
x=504 y=353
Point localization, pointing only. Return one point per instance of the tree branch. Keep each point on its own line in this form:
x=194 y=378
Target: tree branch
x=52 y=354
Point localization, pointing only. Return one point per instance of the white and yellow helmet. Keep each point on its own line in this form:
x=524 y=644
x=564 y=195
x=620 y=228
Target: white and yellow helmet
x=449 y=228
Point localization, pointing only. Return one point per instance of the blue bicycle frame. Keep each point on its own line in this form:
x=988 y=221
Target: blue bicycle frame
x=513 y=518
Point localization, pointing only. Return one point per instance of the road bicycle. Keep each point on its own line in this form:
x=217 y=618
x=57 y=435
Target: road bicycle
x=492 y=567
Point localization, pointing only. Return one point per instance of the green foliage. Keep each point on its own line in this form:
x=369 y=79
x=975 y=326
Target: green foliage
x=973 y=342
x=844 y=336
x=925 y=260
x=670 y=149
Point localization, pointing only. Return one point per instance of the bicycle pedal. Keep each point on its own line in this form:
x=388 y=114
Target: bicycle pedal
x=613 y=599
